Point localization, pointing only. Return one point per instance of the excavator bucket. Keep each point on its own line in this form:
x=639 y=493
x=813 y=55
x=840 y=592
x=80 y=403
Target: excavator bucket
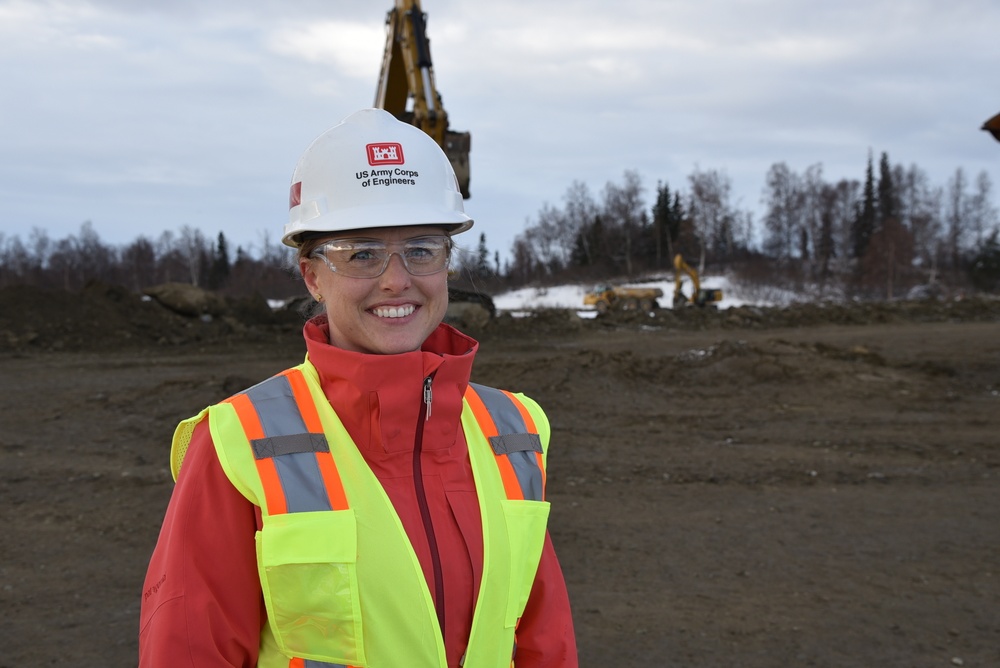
x=993 y=127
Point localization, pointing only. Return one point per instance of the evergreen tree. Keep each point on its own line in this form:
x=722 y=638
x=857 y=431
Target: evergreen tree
x=668 y=213
x=482 y=266
x=218 y=273
x=888 y=197
x=985 y=269
x=864 y=220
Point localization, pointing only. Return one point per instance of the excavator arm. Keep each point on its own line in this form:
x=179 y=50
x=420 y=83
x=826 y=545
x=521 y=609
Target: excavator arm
x=699 y=296
x=408 y=74
x=680 y=268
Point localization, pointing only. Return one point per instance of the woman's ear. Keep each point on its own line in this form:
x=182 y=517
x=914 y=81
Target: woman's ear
x=309 y=275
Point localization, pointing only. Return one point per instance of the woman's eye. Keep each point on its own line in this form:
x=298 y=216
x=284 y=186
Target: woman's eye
x=363 y=255
x=419 y=252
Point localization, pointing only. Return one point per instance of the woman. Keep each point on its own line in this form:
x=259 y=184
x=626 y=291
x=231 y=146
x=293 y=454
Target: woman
x=369 y=507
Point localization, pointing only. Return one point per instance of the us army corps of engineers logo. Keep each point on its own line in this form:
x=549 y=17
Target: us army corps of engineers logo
x=380 y=156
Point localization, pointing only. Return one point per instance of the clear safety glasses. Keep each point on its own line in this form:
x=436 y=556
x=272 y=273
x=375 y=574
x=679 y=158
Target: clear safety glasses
x=369 y=258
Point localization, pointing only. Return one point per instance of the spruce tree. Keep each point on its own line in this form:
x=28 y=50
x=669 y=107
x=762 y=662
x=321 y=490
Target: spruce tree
x=863 y=226
x=888 y=197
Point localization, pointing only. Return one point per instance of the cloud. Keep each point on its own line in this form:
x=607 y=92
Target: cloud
x=191 y=111
x=354 y=49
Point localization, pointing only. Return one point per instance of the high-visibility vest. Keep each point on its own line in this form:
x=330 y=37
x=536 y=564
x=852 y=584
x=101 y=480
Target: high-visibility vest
x=341 y=583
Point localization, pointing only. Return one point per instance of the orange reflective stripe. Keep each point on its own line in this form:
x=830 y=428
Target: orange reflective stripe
x=304 y=401
x=274 y=495
x=331 y=480
x=296 y=663
x=541 y=467
x=511 y=484
x=247 y=414
x=483 y=416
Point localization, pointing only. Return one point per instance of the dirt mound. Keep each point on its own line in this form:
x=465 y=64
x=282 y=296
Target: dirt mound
x=103 y=317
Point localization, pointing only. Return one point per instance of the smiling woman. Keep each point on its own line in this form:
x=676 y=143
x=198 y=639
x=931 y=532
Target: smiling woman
x=375 y=507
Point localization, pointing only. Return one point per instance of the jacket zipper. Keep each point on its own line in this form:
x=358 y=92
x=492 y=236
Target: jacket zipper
x=425 y=512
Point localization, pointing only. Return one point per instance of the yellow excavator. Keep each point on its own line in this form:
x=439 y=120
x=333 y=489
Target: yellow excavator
x=408 y=76
x=699 y=296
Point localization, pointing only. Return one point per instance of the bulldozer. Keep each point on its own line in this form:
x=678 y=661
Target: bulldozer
x=606 y=297
x=406 y=87
x=699 y=296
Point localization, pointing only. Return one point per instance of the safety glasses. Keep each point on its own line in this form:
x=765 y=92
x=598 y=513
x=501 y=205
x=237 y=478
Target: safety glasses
x=369 y=258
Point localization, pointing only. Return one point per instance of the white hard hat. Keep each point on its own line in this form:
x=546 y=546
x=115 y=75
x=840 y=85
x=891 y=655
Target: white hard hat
x=372 y=170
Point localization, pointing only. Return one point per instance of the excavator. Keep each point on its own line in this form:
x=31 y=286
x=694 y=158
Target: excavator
x=699 y=296
x=408 y=76
x=993 y=126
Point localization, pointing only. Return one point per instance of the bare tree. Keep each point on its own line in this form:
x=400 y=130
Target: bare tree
x=624 y=209
x=784 y=201
x=718 y=226
x=955 y=217
x=579 y=215
x=920 y=212
x=982 y=214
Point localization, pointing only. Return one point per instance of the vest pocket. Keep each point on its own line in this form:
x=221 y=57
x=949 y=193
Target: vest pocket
x=309 y=580
x=526 y=522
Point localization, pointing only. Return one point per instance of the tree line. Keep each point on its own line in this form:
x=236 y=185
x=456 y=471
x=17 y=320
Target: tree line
x=187 y=256
x=876 y=237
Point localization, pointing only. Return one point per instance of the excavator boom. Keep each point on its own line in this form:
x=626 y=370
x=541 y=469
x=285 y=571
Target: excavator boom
x=408 y=75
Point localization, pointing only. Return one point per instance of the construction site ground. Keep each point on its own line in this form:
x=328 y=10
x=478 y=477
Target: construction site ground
x=811 y=486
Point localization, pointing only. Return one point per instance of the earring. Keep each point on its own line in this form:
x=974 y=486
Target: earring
x=318 y=297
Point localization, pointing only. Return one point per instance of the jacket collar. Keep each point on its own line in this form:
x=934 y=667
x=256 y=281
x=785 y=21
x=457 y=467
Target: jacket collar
x=379 y=398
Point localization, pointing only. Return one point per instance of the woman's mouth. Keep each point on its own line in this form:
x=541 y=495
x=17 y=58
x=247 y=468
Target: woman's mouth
x=394 y=311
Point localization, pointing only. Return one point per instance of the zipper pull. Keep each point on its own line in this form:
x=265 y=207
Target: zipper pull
x=428 y=396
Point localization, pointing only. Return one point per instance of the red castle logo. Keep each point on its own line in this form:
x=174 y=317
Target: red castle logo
x=385 y=154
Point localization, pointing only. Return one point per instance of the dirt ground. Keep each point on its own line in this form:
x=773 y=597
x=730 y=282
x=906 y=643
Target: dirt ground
x=817 y=486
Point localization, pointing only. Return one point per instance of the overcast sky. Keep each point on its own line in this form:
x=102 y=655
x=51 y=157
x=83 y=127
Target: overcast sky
x=147 y=115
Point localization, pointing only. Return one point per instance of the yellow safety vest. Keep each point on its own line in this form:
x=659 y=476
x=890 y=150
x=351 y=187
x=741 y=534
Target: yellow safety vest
x=341 y=583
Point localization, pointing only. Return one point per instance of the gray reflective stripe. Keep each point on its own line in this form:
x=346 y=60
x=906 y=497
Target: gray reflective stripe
x=528 y=474
x=276 y=408
x=309 y=663
x=290 y=445
x=275 y=446
x=302 y=482
x=514 y=440
x=504 y=413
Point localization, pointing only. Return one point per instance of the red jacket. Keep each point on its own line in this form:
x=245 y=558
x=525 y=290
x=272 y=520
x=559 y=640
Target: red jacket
x=201 y=601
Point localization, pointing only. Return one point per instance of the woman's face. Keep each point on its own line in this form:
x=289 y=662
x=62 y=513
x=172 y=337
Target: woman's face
x=389 y=314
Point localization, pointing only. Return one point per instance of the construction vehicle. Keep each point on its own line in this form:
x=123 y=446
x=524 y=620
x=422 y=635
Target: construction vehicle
x=699 y=296
x=605 y=298
x=408 y=76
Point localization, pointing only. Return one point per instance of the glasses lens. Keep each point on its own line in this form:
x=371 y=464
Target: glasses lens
x=362 y=258
x=426 y=255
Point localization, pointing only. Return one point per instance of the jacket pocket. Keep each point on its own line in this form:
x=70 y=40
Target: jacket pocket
x=307 y=565
x=526 y=523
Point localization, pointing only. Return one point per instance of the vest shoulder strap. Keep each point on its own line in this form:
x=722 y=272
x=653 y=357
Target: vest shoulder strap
x=510 y=428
